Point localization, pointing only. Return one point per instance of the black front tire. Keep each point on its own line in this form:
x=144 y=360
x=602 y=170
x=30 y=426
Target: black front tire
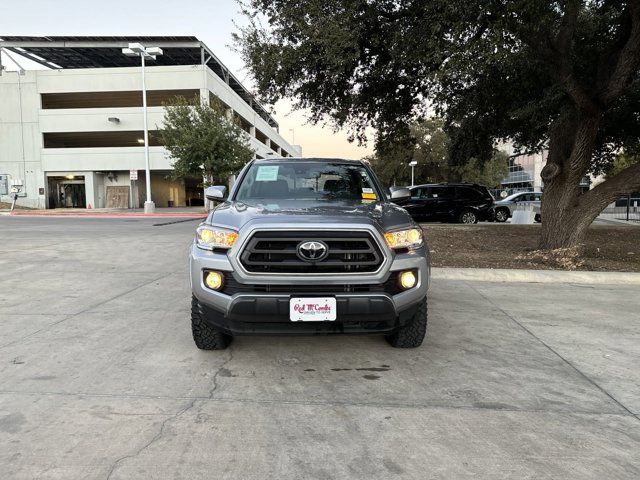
x=205 y=336
x=412 y=334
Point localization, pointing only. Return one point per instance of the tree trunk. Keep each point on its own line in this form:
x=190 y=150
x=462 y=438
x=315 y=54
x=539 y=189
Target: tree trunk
x=571 y=146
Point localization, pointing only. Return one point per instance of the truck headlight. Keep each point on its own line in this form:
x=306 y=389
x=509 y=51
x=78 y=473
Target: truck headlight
x=214 y=237
x=411 y=238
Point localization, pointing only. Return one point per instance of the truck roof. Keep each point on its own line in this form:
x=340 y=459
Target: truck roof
x=307 y=159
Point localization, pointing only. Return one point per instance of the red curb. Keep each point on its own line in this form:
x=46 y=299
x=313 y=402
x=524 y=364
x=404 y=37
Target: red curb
x=107 y=214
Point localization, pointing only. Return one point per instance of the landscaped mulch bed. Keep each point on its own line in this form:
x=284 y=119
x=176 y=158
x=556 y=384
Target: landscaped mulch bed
x=612 y=248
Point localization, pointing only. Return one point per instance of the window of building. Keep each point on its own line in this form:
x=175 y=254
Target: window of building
x=130 y=138
x=261 y=137
x=521 y=170
x=155 y=98
x=244 y=124
x=213 y=98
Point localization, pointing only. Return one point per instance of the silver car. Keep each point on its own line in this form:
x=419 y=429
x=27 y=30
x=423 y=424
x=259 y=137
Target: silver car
x=308 y=246
x=503 y=209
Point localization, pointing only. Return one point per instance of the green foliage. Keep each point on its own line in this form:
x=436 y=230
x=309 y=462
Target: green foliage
x=492 y=69
x=429 y=145
x=203 y=141
x=621 y=162
x=489 y=173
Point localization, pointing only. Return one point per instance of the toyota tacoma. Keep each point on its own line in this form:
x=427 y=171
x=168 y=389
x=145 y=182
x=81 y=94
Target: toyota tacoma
x=308 y=246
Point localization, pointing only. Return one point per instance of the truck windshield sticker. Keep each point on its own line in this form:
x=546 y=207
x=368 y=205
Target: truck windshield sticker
x=368 y=194
x=267 y=173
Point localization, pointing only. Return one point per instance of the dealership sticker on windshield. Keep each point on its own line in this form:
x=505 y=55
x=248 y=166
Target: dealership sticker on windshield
x=267 y=173
x=312 y=309
x=368 y=194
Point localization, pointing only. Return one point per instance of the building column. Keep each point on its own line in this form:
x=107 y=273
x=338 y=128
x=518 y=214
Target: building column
x=204 y=91
x=89 y=191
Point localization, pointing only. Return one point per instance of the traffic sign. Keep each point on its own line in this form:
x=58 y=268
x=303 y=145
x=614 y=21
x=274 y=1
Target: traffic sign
x=133 y=174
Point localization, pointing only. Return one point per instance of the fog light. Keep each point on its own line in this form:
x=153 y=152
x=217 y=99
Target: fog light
x=213 y=280
x=408 y=279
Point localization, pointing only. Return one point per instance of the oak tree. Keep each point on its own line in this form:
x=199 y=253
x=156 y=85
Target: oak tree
x=559 y=75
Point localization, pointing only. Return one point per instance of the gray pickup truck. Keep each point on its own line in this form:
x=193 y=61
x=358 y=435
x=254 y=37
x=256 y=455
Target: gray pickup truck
x=308 y=246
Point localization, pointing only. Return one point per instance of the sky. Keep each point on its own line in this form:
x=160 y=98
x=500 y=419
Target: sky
x=212 y=21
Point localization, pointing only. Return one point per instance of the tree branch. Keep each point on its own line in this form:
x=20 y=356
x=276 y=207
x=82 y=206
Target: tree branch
x=556 y=52
x=561 y=47
x=623 y=183
x=567 y=28
x=628 y=59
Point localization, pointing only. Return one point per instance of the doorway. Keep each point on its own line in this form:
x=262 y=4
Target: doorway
x=67 y=192
x=194 y=192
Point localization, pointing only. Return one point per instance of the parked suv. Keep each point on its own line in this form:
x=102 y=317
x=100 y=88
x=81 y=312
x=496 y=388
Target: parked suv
x=503 y=209
x=449 y=202
x=308 y=246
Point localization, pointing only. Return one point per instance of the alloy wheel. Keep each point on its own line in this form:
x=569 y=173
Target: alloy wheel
x=501 y=216
x=468 y=217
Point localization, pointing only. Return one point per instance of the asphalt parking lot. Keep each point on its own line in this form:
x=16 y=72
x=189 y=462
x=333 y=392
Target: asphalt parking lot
x=99 y=377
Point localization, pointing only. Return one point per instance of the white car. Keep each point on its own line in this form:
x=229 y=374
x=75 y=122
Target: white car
x=503 y=209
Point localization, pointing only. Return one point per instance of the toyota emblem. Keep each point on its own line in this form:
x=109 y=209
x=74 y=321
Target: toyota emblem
x=312 y=251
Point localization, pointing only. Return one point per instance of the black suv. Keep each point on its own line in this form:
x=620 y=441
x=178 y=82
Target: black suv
x=449 y=202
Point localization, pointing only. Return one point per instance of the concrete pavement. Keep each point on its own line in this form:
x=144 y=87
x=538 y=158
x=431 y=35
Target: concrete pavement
x=99 y=377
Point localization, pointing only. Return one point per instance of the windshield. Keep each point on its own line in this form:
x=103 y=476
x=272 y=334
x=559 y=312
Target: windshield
x=512 y=196
x=320 y=181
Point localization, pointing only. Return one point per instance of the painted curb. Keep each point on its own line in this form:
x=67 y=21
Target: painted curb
x=536 y=276
x=110 y=215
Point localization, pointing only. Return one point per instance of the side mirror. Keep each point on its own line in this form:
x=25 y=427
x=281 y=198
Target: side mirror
x=216 y=193
x=400 y=194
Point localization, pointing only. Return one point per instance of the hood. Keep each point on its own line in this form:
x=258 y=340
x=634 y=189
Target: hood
x=382 y=215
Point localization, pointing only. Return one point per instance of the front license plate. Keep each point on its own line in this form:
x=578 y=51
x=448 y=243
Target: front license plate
x=312 y=309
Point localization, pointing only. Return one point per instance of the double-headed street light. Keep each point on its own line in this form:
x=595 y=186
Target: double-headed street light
x=138 y=50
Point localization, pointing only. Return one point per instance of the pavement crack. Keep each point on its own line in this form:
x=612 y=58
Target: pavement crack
x=215 y=376
x=154 y=439
x=119 y=461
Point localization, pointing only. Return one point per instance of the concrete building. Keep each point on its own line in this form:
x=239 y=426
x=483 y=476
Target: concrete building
x=71 y=133
x=524 y=172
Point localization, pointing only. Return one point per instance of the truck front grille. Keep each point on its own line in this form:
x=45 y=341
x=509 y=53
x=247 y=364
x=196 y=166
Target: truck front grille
x=276 y=252
x=232 y=286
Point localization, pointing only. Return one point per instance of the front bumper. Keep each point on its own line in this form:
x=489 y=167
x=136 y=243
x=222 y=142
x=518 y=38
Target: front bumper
x=357 y=312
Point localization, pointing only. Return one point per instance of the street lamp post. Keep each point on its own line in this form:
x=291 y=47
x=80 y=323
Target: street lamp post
x=412 y=164
x=138 y=50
